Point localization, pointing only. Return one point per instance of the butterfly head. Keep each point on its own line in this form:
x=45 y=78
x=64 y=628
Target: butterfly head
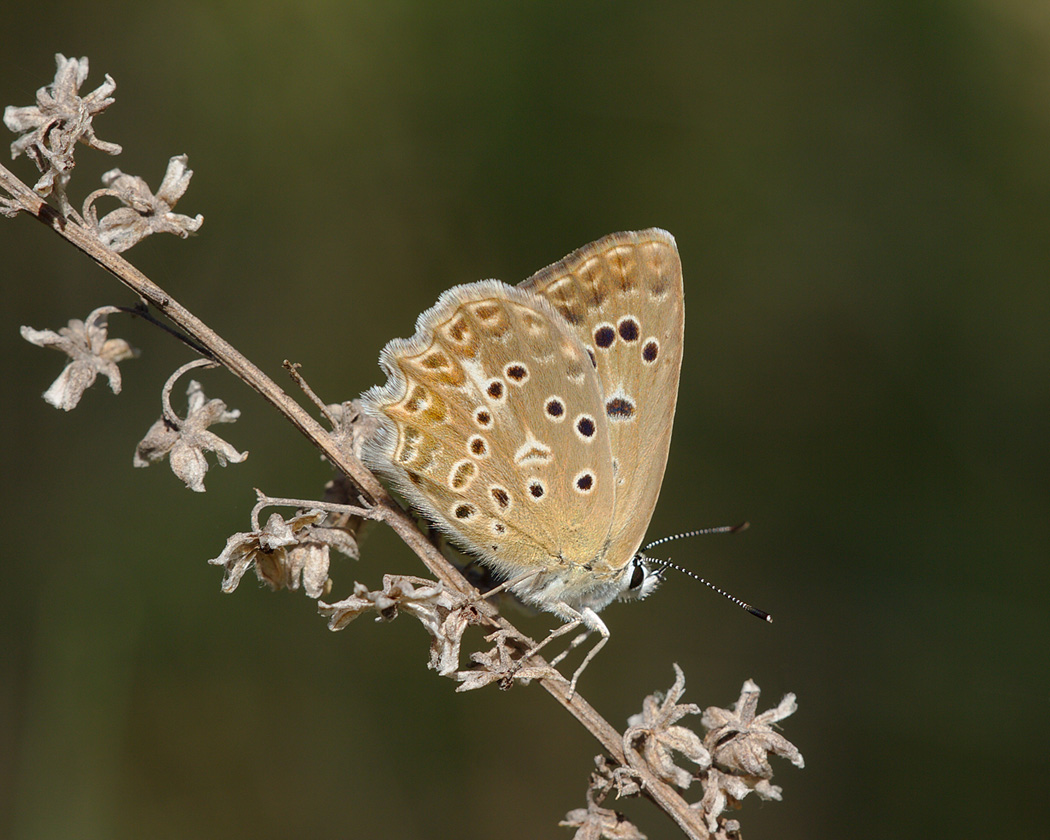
x=640 y=579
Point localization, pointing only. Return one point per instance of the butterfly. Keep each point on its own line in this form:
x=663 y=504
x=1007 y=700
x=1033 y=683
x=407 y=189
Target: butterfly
x=531 y=423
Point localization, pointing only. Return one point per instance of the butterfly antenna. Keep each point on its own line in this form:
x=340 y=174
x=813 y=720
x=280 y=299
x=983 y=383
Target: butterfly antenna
x=667 y=564
x=721 y=529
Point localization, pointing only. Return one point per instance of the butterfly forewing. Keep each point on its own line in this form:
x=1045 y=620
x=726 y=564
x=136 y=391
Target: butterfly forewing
x=622 y=296
x=493 y=424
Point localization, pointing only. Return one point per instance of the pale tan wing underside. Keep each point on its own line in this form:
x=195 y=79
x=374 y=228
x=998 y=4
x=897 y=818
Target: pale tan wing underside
x=492 y=424
x=623 y=296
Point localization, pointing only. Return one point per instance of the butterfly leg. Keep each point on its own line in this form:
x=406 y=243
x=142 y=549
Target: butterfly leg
x=496 y=590
x=592 y=622
x=575 y=643
x=573 y=619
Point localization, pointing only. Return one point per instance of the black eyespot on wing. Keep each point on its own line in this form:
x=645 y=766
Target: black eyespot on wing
x=501 y=497
x=604 y=336
x=518 y=373
x=585 y=426
x=619 y=408
x=554 y=407
x=629 y=330
x=650 y=351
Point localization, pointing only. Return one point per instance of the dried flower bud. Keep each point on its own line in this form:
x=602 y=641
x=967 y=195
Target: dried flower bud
x=660 y=739
x=90 y=353
x=445 y=643
x=144 y=213
x=60 y=119
x=272 y=551
x=184 y=442
x=596 y=823
x=502 y=664
x=423 y=599
x=608 y=775
x=740 y=742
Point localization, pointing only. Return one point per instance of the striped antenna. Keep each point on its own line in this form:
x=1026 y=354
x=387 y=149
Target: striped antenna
x=721 y=529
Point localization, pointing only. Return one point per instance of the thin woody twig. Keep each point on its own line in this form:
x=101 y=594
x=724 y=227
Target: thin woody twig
x=293 y=371
x=328 y=507
x=383 y=505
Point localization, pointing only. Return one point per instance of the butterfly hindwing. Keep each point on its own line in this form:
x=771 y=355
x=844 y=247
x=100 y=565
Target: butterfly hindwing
x=492 y=424
x=623 y=297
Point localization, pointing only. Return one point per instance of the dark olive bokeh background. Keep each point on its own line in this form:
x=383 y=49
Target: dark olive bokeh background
x=861 y=197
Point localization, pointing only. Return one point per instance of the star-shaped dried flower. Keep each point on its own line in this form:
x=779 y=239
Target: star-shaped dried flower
x=597 y=823
x=660 y=738
x=502 y=664
x=144 y=213
x=740 y=741
x=60 y=119
x=423 y=599
x=416 y=596
x=721 y=790
x=186 y=441
x=90 y=353
x=268 y=549
x=608 y=775
x=310 y=559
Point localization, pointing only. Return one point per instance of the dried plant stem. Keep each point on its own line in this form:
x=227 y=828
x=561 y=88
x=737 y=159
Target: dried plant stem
x=386 y=508
x=661 y=794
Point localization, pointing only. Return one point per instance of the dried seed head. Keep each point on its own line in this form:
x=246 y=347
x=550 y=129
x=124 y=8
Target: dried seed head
x=276 y=552
x=654 y=730
x=740 y=743
x=60 y=119
x=90 y=353
x=184 y=441
x=425 y=600
x=143 y=212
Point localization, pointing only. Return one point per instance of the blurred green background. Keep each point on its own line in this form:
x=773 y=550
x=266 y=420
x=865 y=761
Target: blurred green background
x=861 y=197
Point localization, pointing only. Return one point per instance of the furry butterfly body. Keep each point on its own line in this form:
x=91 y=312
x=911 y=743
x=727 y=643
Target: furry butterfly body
x=531 y=423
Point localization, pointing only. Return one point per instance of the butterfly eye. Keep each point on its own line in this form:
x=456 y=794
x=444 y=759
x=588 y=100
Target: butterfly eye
x=638 y=575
